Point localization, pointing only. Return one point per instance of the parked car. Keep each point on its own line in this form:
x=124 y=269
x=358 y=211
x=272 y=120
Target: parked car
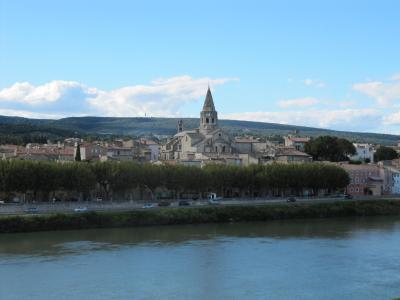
x=99 y=199
x=214 y=201
x=347 y=196
x=80 y=209
x=291 y=199
x=148 y=205
x=184 y=203
x=32 y=210
x=164 y=203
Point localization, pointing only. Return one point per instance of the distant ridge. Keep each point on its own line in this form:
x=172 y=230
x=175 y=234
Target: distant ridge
x=167 y=126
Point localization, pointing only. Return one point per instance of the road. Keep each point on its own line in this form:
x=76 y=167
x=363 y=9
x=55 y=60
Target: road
x=46 y=208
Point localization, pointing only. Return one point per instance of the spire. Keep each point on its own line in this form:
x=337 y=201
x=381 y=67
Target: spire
x=209 y=102
x=208 y=116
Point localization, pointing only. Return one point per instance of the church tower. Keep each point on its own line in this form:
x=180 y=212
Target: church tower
x=208 y=116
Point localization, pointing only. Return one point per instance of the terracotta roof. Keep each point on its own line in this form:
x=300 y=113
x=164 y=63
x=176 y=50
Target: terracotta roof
x=290 y=152
x=299 y=139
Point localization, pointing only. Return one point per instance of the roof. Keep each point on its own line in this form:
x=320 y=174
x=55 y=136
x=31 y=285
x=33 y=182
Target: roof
x=299 y=139
x=362 y=167
x=290 y=152
x=209 y=102
x=148 y=142
x=247 y=140
x=375 y=178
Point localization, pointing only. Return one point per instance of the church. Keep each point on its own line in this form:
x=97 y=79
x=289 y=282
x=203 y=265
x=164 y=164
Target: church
x=208 y=143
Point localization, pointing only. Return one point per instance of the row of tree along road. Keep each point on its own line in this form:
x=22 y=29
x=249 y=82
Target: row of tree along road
x=43 y=181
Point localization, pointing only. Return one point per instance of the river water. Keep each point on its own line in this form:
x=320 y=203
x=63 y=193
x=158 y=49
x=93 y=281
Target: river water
x=304 y=259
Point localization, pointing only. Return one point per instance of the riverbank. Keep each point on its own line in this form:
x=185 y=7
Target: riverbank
x=197 y=215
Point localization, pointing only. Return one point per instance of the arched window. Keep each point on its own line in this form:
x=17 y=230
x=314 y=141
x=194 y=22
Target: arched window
x=223 y=148
x=216 y=149
x=207 y=120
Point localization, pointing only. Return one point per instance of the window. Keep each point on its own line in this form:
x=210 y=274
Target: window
x=357 y=190
x=216 y=149
x=223 y=149
x=207 y=120
x=212 y=120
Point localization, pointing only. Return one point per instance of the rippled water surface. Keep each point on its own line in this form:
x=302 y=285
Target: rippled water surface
x=306 y=259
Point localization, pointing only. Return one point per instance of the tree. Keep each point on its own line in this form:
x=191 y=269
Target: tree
x=385 y=153
x=78 y=153
x=330 y=148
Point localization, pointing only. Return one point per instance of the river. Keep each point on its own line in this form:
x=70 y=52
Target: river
x=304 y=259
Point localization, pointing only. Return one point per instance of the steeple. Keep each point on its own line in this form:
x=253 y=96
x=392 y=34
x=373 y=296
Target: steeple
x=209 y=102
x=208 y=116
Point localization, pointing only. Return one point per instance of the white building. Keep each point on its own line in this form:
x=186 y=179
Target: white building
x=364 y=152
x=396 y=183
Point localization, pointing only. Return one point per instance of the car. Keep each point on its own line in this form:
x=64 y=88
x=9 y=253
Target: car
x=213 y=201
x=347 y=196
x=184 y=203
x=99 y=199
x=32 y=210
x=2 y=202
x=148 y=205
x=291 y=199
x=164 y=203
x=80 y=209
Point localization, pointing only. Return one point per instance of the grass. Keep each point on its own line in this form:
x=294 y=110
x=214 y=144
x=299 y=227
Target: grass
x=197 y=215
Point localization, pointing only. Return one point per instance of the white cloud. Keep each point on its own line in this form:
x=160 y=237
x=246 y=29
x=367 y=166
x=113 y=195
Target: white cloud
x=383 y=92
x=28 y=114
x=299 y=102
x=395 y=77
x=162 y=97
x=314 y=82
x=392 y=119
x=348 y=119
x=53 y=91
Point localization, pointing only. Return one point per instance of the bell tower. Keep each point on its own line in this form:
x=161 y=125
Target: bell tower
x=208 y=116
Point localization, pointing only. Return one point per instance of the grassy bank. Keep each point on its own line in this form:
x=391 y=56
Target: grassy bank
x=215 y=214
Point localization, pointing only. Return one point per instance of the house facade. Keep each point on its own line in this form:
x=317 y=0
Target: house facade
x=365 y=179
x=364 y=153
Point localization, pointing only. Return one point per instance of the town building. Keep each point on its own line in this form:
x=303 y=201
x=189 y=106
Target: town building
x=364 y=153
x=390 y=173
x=296 y=142
x=365 y=179
x=211 y=144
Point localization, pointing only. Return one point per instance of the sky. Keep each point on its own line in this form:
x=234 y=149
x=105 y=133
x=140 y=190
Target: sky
x=329 y=64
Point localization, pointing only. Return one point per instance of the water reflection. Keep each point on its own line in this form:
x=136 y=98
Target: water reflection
x=72 y=242
x=298 y=259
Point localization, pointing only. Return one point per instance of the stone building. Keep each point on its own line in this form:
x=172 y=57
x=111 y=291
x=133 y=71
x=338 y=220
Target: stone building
x=211 y=144
x=204 y=144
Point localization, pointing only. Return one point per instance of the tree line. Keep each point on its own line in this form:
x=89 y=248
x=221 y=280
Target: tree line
x=113 y=179
x=330 y=148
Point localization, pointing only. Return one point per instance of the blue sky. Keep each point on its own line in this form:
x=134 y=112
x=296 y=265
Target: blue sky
x=331 y=64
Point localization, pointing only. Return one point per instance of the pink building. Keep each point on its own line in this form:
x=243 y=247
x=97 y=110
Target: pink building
x=364 y=179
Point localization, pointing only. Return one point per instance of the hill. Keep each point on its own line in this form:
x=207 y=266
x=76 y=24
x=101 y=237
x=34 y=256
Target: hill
x=167 y=126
